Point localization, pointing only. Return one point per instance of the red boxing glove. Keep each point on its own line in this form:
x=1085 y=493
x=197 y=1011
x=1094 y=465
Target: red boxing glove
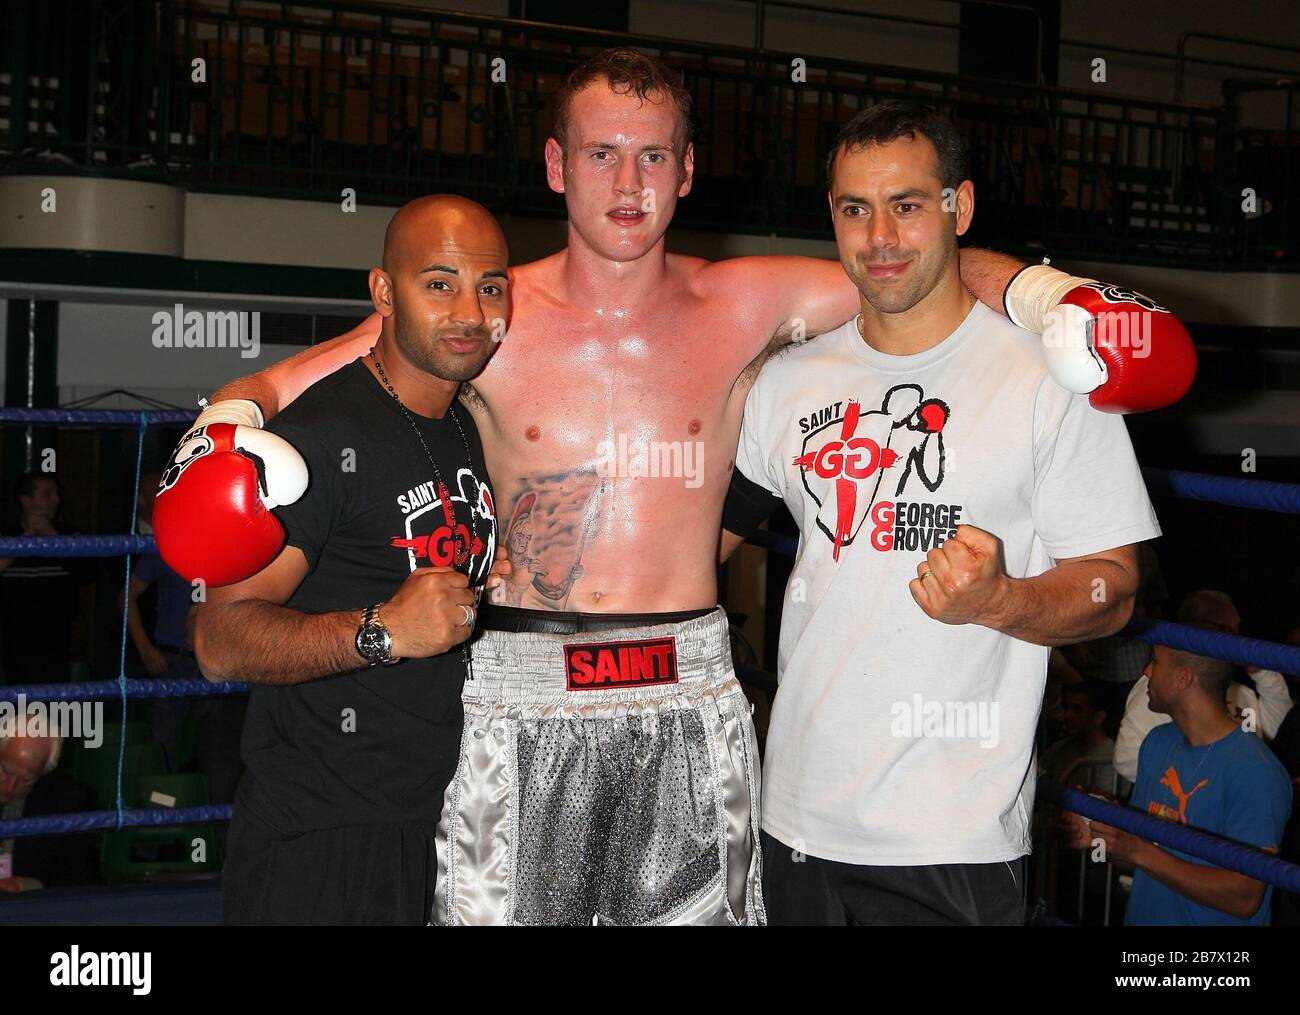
x=934 y=414
x=212 y=518
x=1127 y=351
x=1148 y=359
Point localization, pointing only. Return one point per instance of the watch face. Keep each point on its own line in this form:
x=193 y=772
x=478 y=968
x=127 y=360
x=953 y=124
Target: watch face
x=373 y=642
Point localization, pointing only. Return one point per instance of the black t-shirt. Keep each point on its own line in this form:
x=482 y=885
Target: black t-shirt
x=376 y=746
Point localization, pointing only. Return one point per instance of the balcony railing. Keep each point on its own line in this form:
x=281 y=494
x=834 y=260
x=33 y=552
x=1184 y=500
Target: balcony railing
x=304 y=100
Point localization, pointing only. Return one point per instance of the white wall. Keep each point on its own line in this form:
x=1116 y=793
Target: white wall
x=103 y=346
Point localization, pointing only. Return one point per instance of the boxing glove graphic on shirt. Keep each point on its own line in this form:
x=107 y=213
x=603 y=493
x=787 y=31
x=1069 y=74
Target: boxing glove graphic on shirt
x=848 y=457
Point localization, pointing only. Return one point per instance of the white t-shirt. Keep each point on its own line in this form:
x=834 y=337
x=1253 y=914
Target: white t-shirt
x=896 y=739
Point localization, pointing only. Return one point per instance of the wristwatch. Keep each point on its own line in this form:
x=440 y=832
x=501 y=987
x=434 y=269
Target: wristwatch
x=374 y=641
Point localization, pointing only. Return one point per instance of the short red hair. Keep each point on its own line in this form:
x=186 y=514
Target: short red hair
x=626 y=71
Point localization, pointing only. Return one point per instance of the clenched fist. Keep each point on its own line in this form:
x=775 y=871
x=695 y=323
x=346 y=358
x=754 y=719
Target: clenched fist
x=426 y=617
x=964 y=581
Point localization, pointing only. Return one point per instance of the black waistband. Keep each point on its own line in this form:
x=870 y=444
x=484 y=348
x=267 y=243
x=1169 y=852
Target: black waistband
x=510 y=618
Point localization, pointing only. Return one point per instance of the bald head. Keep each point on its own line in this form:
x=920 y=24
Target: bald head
x=436 y=222
x=443 y=288
x=24 y=758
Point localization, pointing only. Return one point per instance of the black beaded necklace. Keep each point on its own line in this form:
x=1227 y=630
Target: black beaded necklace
x=462 y=552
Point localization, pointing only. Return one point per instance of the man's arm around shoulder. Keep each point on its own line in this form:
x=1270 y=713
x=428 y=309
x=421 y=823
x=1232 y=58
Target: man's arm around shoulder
x=279 y=384
x=808 y=296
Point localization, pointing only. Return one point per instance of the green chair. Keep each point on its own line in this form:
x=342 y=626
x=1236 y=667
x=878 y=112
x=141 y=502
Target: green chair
x=137 y=732
x=187 y=742
x=188 y=789
x=98 y=770
x=143 y=854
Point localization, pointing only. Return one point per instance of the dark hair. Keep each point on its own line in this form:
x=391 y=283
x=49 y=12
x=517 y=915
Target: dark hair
x=888 y=121
x=1091 y=690
x=1213 y=675
x=28 y=480
x=1208 y=608
x=625 y=70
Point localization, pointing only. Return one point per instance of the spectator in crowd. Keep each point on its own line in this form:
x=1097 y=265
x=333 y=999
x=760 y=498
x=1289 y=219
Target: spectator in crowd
x=30 y=787
x=169 y=653
x=1082 y=757
x=1116 y=662
x=1261 y=708
x=38 y=594
x=166 y=651
x=1204 y=771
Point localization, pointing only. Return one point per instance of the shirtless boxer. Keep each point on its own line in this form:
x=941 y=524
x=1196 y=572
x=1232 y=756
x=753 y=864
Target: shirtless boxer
x=614 y=338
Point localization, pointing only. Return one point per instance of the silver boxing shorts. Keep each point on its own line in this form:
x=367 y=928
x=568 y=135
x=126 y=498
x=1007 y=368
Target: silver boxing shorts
x=607 y=776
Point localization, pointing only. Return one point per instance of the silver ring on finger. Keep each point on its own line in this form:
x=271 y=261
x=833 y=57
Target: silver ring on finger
x=469 y=616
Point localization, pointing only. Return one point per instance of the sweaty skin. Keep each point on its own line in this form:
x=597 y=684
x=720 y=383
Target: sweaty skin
x=442 y=285
x=615 y=345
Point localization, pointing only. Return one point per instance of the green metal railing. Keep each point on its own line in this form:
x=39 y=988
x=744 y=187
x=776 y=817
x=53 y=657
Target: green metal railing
x=307 y=99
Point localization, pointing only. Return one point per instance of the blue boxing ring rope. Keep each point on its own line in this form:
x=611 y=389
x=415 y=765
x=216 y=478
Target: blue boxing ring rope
x=1218 y=850
x=89 y=691
x=94 y=821
x=1259 y=494
x=1281 y=497
x=102 y=546
x=126 y=610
